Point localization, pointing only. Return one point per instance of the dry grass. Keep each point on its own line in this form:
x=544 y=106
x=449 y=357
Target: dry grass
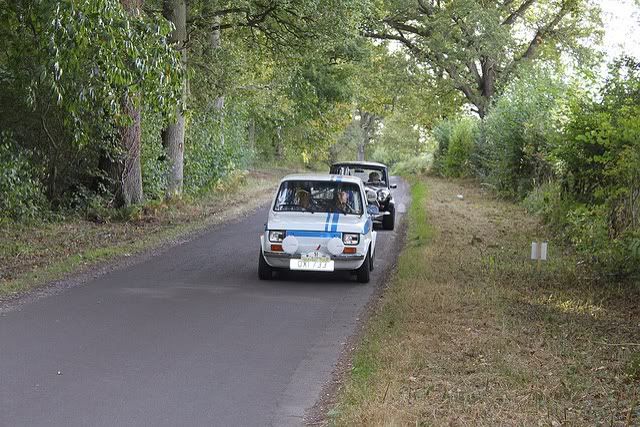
x=31 y=256
x=469 y=333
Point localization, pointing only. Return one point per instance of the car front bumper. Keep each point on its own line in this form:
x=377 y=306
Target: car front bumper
x=341 y=262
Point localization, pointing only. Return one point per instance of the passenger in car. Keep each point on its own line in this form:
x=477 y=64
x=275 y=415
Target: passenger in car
x=304 y=199
x=342 y=202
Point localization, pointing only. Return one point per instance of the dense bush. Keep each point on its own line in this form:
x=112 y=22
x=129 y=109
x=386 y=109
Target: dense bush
x=213 y=150
x=22 y=196
x=155 y=166
x=519 y=133
x=571 y=158
x=456 y=141
x=600 y=173
x=418 y=165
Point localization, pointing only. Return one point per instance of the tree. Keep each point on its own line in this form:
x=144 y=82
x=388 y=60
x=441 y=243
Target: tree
x=175 y=11
x=476 y=45
x=389 y=83
x=79 y=66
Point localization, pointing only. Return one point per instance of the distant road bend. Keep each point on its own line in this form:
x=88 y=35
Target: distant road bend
x=189 y=337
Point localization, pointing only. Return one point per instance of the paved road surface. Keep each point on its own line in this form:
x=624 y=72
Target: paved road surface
x=189 y=337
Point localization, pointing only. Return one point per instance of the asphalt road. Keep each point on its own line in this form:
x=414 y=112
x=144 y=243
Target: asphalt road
x=188 y=337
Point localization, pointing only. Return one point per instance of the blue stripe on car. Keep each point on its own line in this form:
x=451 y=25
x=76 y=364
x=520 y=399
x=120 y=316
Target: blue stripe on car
x=309 y=233
x=367 y=226
x=334 y=222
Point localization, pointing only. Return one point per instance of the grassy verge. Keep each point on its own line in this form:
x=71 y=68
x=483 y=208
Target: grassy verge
x=471 y=333
x=31 y=256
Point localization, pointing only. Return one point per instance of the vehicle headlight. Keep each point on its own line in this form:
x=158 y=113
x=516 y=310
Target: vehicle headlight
x=350 y=238
x=276 y=236
x=382 y=195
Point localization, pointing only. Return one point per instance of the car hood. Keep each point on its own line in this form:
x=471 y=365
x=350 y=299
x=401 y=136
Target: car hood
x=319 y=221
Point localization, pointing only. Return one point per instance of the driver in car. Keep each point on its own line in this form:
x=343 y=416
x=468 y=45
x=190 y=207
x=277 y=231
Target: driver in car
x=342 y=202
x=374 y=178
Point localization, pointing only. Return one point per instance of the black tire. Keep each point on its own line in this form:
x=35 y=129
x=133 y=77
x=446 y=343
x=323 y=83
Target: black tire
x=364 y=271
x=265 y=271
x=389 y=221
x=373 y=261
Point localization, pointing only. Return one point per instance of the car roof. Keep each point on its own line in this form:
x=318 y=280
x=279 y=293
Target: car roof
x=357 y=163
x=321 y=177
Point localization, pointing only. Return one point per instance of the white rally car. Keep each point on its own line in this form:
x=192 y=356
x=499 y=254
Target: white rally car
x=319 y=223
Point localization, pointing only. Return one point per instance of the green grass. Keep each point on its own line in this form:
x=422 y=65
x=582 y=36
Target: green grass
x=470 y=332
x=366 y=364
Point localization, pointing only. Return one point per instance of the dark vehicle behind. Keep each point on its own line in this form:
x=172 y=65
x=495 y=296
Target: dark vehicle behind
x=376 y=179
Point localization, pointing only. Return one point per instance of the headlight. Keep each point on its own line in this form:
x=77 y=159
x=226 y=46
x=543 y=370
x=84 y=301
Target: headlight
x=276 y=236
x=382 y=195
x=350 y=238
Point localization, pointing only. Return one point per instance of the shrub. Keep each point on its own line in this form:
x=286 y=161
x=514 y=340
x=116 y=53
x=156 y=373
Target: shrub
x=519 y=133
x=456 y=140
x=155 y=166
x=419 y=165
x=22 y=196
x=207 y=159
x=457 y=162
x=600 y=164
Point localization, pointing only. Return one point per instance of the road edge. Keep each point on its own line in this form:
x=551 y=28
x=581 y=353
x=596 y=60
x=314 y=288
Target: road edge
x=121 y=262
x=318 y=413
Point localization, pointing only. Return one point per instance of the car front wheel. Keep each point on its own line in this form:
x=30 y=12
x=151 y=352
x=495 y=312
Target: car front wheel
x=389 y=221
x=364 y=272
x=265 y=272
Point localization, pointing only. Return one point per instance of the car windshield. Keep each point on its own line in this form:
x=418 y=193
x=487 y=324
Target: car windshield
x=369 y=175
x=319 y=196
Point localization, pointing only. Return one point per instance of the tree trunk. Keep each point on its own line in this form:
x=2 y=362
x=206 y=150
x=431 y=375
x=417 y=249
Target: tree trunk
x=173 y=135
x=367 y=122
x=251 y=131
x=218 y=103
x=127 y=172
x=488 y=88
x=129 y=185
x=361 y=147
x=173 y=143
x=278 y=143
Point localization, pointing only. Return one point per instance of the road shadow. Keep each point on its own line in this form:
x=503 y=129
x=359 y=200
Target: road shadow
x=309 y=278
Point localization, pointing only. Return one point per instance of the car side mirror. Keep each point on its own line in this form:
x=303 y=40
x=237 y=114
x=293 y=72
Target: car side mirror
x=393 y=186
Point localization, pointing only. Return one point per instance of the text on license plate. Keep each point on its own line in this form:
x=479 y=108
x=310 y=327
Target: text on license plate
x=311 y=264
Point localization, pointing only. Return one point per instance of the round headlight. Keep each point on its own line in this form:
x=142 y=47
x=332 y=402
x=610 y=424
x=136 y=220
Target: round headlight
x=382 y=195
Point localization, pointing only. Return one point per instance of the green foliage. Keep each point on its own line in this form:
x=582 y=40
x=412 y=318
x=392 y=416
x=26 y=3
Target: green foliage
x=86 y=56
x=400 y=140
x=418 y=165
x=207 y=159
x=548 y=200
x=600 y=170
x=66 y=69
x=573 y=160
x=519 y=133
x=456 y=139
x=22 y=197
x=155 y=167
x=476 y=47
x=457 y=162
x=98 y=54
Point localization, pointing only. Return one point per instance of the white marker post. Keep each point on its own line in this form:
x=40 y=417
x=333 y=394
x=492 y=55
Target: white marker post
x=538 y=252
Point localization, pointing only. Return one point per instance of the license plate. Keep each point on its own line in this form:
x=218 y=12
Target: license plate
x=313 y=261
